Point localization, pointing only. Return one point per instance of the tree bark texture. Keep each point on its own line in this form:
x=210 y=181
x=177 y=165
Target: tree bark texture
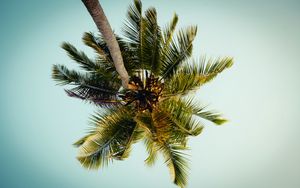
x=97 y=13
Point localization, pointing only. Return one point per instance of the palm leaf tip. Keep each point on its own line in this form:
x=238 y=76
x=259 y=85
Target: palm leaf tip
x=230 y=62
x=79 y=57
x=56 y=74
x=152 y=149
x=198 y=130
x=90 y=40
x=220 y=121
x=178 y=51
x=177 y=163
x=209 y=115
x=190 y=77
x=81 y=141
x=62 y=75
x=215 y=66
x=132 y=29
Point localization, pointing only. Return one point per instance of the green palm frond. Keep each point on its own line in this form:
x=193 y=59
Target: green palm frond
x=168 y=32
x=80 y=57
x=212 y=67
x=162 y=140
x=192 y=76
x=185 y=107
x=95 y=96
x=160 y=127
x=144 y=36
x=90 y=40
x=132 y=28
x=176 y=161
x=108 y=140
x=178 y=51
x=182 y=116
x=90 y=87
x=81 y=141
x=151 y=41
x=168 y=129
x=152 y=150
x=209 y=115
x=102 y=66
x=167 y=36
x=163 y=126
x=63 y=76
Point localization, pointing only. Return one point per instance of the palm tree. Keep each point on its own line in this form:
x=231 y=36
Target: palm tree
x=158 y=109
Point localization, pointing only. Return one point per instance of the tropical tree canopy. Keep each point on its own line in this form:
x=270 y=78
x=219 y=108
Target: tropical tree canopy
x=158 y=110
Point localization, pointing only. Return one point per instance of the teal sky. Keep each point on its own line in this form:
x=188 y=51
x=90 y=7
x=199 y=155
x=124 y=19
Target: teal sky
x=258 y=148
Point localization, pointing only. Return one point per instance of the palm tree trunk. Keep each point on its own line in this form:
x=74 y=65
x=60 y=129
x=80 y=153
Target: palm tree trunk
x=97 y=13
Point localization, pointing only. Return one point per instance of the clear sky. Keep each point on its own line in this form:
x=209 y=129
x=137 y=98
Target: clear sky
x=258 y=148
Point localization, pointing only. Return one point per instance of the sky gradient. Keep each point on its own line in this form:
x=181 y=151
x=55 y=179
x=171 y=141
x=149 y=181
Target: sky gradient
x=259 y=147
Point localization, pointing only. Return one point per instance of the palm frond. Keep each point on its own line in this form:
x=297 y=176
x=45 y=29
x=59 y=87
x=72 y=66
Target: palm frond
x=212 y=67
x=152 y=150
x=90 y=40
x=151 y=41
x=178 y=51
x=132 y=29
x=159 y=127
x=168 y=33
x=108 y=140
x=144 y=36
x=182 y=108
x=170 y=149
x=182 y=116
x=177 y=162
x=163 y=126
x=63 y=76
x=155 y=124
x=95 y=96
x=81 y=141
x=90 y=87
x=167 y=36
x=192 y=76
x=80 y=57
x=210 y=115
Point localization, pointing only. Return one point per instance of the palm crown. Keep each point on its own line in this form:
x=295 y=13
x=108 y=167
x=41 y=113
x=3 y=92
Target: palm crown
x=157 y=109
